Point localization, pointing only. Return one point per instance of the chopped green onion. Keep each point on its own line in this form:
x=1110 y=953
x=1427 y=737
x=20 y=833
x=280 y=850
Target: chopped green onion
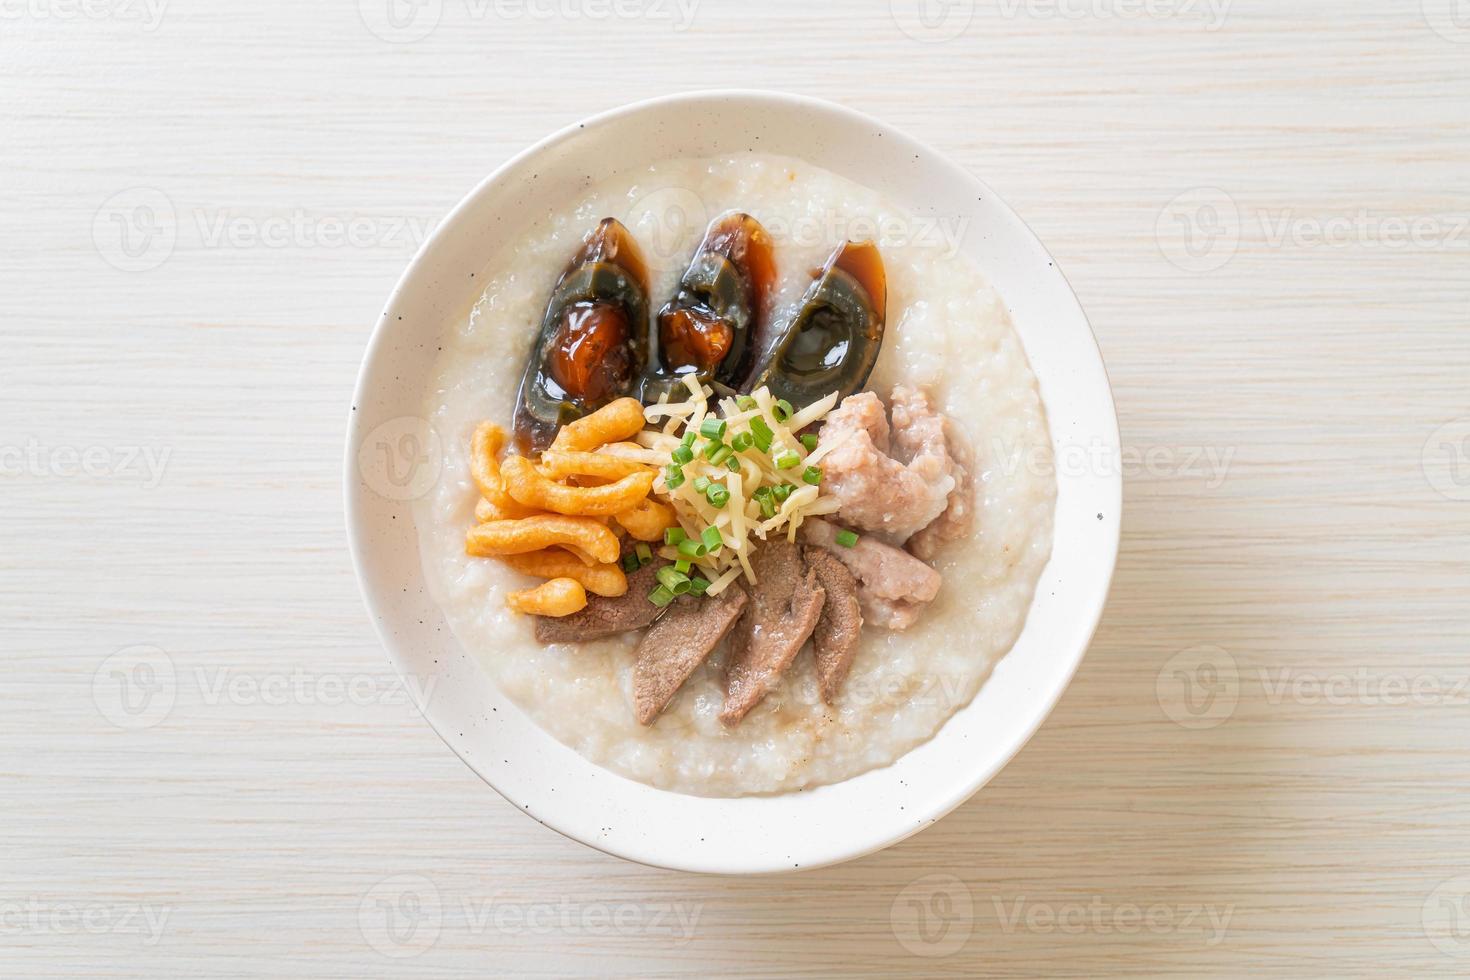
x=744 y=402
x=810 y=442
x=761 y=433
x=768 y=506
x=781 y=491
x=683 y=566
x=782 y=410
x=712 y=539
x=671 y=578
x=698 y=586
x=713 y=449
x=690 y=548
x=701 y=484
x=688 y=439
x=644 y=553
x=673 y=477
x=661 y=596
x=812 y=475
x=847 y=539
x=742 y=441
x=721 y=455
x=717 y=495
x=673 y=535
x=683 y=454
x=732 y=464
x=787 y=459
x=712 y=429
x=630 y=562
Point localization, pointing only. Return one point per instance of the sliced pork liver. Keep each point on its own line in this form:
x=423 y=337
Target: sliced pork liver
x=893 y=585
x=604 y=616
x=678 y=643
x=841 y=624
x=784 y=611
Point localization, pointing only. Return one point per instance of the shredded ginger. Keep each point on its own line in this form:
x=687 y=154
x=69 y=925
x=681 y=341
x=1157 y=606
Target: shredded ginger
x=754 y=511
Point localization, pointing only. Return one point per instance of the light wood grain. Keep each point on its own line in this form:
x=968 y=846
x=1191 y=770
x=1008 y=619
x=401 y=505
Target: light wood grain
x=258 y=831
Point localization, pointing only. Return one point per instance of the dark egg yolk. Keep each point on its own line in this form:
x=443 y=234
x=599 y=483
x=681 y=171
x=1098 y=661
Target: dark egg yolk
x=590 y=358
x=691 y=340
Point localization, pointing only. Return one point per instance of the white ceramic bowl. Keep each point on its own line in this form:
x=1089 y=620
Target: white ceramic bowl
x=391 y=456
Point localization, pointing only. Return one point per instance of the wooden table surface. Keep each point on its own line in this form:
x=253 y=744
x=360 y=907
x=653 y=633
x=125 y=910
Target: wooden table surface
x=206 y=768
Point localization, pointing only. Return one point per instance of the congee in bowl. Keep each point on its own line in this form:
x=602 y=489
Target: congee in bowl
x=747 y=481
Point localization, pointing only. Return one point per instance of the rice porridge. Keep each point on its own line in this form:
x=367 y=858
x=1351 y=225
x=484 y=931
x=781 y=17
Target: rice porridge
x=947 y=333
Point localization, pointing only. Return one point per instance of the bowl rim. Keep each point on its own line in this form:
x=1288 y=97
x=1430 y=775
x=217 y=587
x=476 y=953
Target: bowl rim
x=963 y=788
